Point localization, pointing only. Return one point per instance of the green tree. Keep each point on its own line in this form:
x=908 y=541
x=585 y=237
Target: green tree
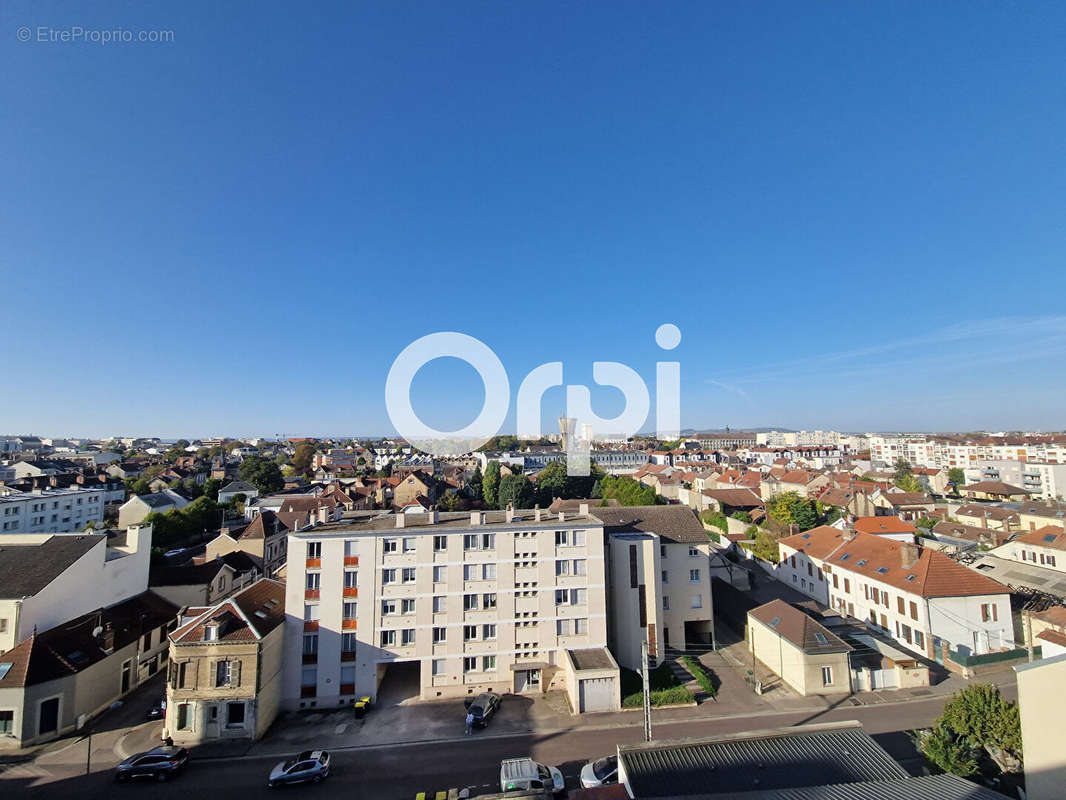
x=904 y=477
x=948 y=751
x=743 y=516
x=789 y=508
x=473 y=486
x=516 y=491
x=490 y=484
x=974 y=719
x=264 y=475
x=716 y=519
x=627 y=491
x=140 y=486
x=956 y=476
x=211 y=487
x=301 y=460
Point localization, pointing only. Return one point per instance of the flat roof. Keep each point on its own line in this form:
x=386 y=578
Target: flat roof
x=1019 y=573
x=423 y=521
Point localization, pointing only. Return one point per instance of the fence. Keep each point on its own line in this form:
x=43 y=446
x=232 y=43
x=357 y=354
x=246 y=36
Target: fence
x=965 y=660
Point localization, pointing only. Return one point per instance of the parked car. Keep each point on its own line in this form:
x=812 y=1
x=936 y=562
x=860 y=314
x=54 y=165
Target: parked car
x=158 y=709
x=310 y=765
x=601 y=772
x=160 y=763
x=483 y=707
x=525 y=774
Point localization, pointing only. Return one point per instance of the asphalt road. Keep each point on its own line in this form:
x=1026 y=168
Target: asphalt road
x=399 y=771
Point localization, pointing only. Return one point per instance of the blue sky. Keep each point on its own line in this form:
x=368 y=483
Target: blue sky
x=853 y=212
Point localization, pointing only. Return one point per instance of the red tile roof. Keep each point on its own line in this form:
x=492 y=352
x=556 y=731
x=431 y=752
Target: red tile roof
x=817 y=542
x=1048 y=536
x=883 y=525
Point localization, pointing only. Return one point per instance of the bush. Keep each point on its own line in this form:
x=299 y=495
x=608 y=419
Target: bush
x=702 y=676
x=662 y=697
x=716 y=519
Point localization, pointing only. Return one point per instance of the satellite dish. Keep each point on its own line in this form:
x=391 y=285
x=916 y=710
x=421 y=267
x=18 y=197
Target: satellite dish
x=97 y=630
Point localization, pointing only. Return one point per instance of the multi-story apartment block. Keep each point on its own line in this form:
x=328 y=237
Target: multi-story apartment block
x=923 y=599
x=1040 y=479
x=468 y=602
x=51 y=510
x=225 y=667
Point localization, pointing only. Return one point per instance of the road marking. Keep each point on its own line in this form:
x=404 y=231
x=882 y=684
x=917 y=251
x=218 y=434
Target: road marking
x=340 y=728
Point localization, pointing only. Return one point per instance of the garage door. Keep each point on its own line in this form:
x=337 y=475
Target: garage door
x=596 y=694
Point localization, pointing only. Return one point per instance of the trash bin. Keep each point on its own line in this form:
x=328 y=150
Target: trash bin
x=360 y=709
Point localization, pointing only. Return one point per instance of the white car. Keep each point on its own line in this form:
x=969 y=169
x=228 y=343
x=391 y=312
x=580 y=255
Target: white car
x=601 y=772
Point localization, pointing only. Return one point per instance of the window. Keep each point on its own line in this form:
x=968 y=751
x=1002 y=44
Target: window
x=388 y=638
x=234 y=715
x=440 y=635
x=440 y=544
x=388 y=576
x=810 y=570
x=581 y=626
x=311 y=612
x=407 y=637
x=579 y=538
x=570 y=597
x=469 y=602
x=562 y=538
x=835 y=585
x=470 y=664
x=792 y=561
x=183 y=717
x=470 y=541
x=919 y=639
x=469 y=633
x=562 y=627
x=901 y=606
x=388 y=607
x=390 y=545
x=470 y=572
x=666 y=603
x=310 y=644
x=228 y=673
x=488 y=632
x=351 y=548
x=211 y=632
x=488 y=600
x=7 y=721
x=914 y=610
x=440 y=604
x=348 y=642
x=440 y=574
x=697 y=601
x=314 y=549
x=488 y=541
x=662 y=551
x=314 y=579
x=349 y=610
x=410 y=543
x=694 y=576
x=438 y=666
x=488 y=572
x=351 y=578
x=827 y=676
x=847 y=585
x=562 y=567
x=989 y=612
x=408 y=574
x=693 y=551
x=488 y=663
x=407 y=605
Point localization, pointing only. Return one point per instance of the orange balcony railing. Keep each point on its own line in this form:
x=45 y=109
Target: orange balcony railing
x=311 y=625
x=351 y=561
x=347 y=655
x=313 y=562
x=351 y=591
x=311 y=594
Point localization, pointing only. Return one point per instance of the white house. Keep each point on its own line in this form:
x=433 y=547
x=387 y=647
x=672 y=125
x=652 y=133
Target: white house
x=134 y=510
x=234 y=488
x=1045 y=547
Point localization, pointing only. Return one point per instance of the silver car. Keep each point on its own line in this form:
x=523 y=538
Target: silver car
x=601 y=772
x=310 y=765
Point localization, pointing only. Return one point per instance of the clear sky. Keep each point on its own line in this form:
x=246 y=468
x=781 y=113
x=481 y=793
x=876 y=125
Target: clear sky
x=854 y=212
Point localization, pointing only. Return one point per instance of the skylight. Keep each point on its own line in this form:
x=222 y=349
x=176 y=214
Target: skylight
x=821 y=638
x=862 y=562
x=845 y=557
x=775 y=622
x=261 y=614
x=4 y=669
x=1050 y=537
x=882 y=570
x=911 y=577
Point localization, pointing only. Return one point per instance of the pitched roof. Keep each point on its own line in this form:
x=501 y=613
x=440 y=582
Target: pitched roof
x=891 y=524
x=994 y=487
x=25 y=569
x=1047 y=536
x=972 y=533
x=265 y=524
x=798 y=628
x=817 y=542
x=932 y=575
x=1055 y=637
x=671 y=523
x=70 y=647
x=997 y=513
x=738 y=498
x=238 y=486
x=247 y=616
x=1056 y=615
x=908 y=498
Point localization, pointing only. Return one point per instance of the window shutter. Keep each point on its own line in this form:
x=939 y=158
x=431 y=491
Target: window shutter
x=235 y=673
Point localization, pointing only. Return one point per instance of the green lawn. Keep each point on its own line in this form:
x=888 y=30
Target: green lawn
x=665 y=690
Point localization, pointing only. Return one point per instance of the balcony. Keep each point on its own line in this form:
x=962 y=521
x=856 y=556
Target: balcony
x=308 y=691
x=347 y=688
x=348 y=625
x=310 y=658
x=311 y=625
x=351 y=591
x=351 y=561
x=311 y=594
x=313 y=562
x=347 y=655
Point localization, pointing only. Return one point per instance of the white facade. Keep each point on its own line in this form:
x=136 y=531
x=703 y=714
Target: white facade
x=102 y=577
x=476 y=603
x=51 y=510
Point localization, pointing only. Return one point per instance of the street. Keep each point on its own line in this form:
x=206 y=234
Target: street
x=399 y=771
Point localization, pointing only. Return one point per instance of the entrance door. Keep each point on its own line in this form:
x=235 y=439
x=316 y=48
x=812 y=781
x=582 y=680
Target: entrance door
x=48 y=716
x=125 y=677
x=521 y=680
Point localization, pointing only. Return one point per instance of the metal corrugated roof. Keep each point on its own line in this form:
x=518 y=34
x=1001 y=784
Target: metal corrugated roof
x=805 y=756
x=930 y=787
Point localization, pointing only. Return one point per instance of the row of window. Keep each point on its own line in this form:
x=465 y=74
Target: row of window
x=1046 y=560
x=695 y=601
x=693 y=576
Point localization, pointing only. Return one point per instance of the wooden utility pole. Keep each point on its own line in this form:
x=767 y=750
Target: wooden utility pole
x=647 y=690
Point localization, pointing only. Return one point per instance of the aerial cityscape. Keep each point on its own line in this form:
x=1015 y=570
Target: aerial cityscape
x=473 y=401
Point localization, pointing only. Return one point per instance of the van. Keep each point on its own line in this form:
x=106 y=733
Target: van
x=525 y=773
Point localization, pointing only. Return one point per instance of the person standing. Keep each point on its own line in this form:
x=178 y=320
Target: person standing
x=469 y=723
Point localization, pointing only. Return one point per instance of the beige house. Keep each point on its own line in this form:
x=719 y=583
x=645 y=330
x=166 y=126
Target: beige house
x=412 y=486
x=225 y=667
x=1042 y=704
x=801 y=651
x=264 y=539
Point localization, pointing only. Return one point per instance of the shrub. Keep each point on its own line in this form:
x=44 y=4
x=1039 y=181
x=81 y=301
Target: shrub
x=662 y=697
x=716 y=519
x=702 y=676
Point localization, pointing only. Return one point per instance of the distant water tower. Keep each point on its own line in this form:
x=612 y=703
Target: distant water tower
x=567 y=428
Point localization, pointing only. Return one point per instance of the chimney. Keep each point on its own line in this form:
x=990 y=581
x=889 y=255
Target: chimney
x=562 y=517
x=434 y=515
x=509 y=513
x=401 y=519
x=583 y=508
x=848 y=534
x=909 y=555
x=477 y=517
x=536 y=512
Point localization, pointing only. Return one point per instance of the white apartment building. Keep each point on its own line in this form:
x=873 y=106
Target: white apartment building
x=1042 y=479
x=47 y=579
x=927 y=602
x=456 y=604
x=924 y=451
x=50 y=510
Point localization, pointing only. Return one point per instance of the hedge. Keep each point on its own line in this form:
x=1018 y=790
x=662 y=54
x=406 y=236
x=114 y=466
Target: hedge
x=662 y=697
x=703 y=678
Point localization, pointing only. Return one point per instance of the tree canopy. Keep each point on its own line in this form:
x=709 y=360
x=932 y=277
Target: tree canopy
x=904 y=478
x=490 y=484
x=975 y=719
x=301 y=460
x=262 y=474
x=627 y=491
x=789 y=508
